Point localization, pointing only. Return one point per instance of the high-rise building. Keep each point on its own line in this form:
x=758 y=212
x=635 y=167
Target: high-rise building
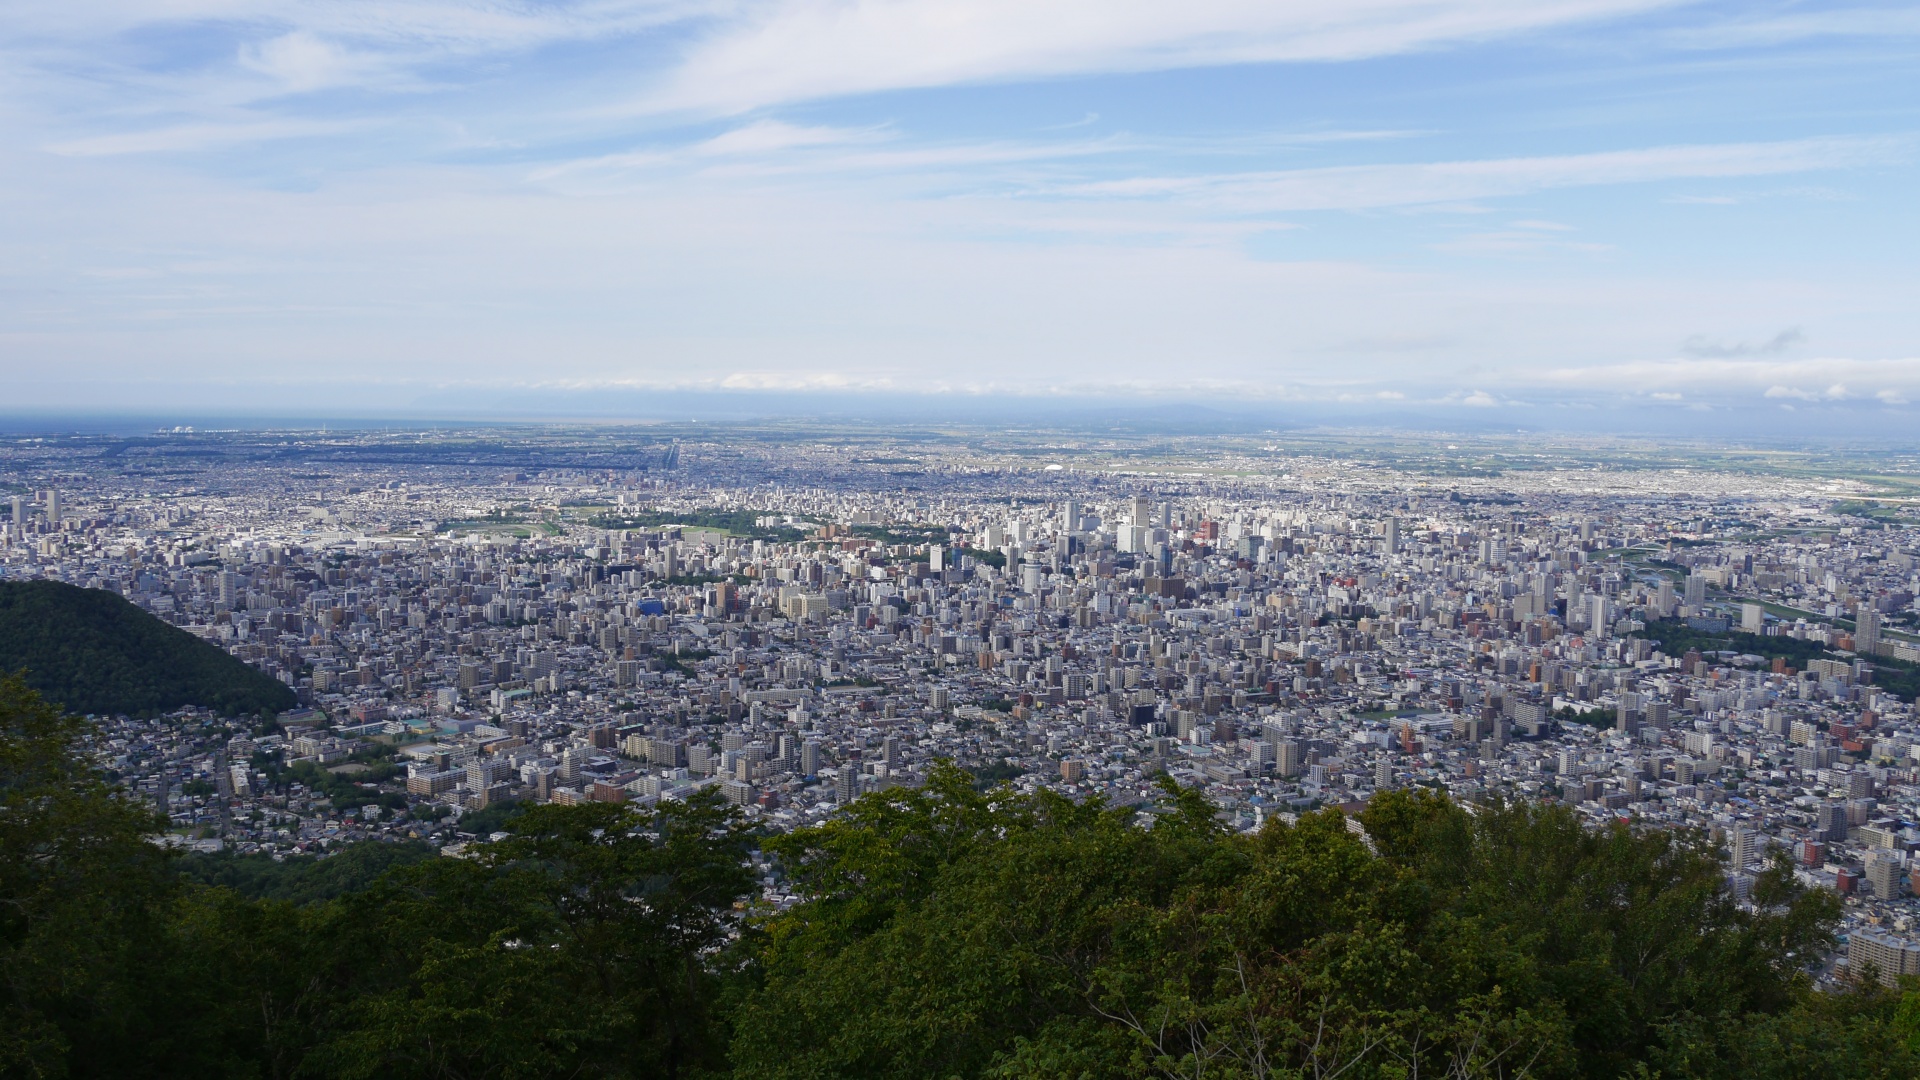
x=1287 y=757
x=1383 y=774
x=53 y=507
x=1830 y=822
x=1142 y=517
x=1866 y=630
x=1753 y=618
x=1860 y=783
x=1390 y=531
x=1696 y=590
x=1599 y=613
x=1886 y=875
x=1030 y=575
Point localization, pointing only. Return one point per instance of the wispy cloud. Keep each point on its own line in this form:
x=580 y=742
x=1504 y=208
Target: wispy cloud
x=1775 y=27
x=798 y=50
x=768 y=136
x=188 y=137
x=1354 y=187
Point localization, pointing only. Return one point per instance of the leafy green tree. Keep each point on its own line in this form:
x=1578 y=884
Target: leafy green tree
x=81 y=899
x=947 y=932
x=303 y=879
x=582 y=945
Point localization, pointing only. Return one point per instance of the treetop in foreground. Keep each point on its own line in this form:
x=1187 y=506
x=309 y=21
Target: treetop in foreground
x=939 y=931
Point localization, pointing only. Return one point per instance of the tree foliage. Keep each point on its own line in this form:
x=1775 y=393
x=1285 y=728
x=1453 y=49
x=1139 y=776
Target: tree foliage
x=942 y=931
x=91 y=651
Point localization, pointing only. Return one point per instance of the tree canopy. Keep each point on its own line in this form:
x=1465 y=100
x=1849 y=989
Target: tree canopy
x=940 y=931
x=91 y=651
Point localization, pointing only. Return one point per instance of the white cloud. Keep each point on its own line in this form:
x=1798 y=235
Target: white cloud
x=1354 y=187
x=1773 y=28
x=300 y=62
x=800 y=380
x=767 y=136
x=1828 y=379
x=795 y=50
x=414 y=27
x=188 y=137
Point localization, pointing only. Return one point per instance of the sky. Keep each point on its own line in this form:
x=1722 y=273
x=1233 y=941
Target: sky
x=1502 y=208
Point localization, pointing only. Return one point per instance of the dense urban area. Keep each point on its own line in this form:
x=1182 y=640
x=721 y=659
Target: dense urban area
x=476 y=621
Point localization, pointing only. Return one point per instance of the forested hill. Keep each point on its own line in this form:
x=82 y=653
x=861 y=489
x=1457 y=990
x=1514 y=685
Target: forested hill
x=93 y=652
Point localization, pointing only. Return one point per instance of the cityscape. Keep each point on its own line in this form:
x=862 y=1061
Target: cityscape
x=959 y=540
x=475 y=620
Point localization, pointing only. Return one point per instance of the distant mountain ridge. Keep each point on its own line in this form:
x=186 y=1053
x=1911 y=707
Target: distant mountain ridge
x=93 y=652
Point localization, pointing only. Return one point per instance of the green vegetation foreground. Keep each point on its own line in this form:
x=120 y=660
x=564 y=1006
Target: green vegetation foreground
x=944 y=932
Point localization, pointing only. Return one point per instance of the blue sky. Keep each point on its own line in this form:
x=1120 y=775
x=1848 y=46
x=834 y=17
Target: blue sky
x=1519 y=204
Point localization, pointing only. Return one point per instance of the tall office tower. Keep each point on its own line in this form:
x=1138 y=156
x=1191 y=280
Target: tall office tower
x=1142 y=512
x=1663 y=599
x=19 y=512
x=1390 y=529
x=53 y=507
x=1586 y=532
x=846 y=785
x=1070 y=515
x=890 y=753
x=1753 y=618
x=1696 y=590
x=1866 y=630
x=226 y=587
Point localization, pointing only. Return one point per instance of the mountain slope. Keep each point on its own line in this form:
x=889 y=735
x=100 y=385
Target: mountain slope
x=93 y=652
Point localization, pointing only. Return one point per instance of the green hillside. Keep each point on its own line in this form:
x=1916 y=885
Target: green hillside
x=94 y=652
